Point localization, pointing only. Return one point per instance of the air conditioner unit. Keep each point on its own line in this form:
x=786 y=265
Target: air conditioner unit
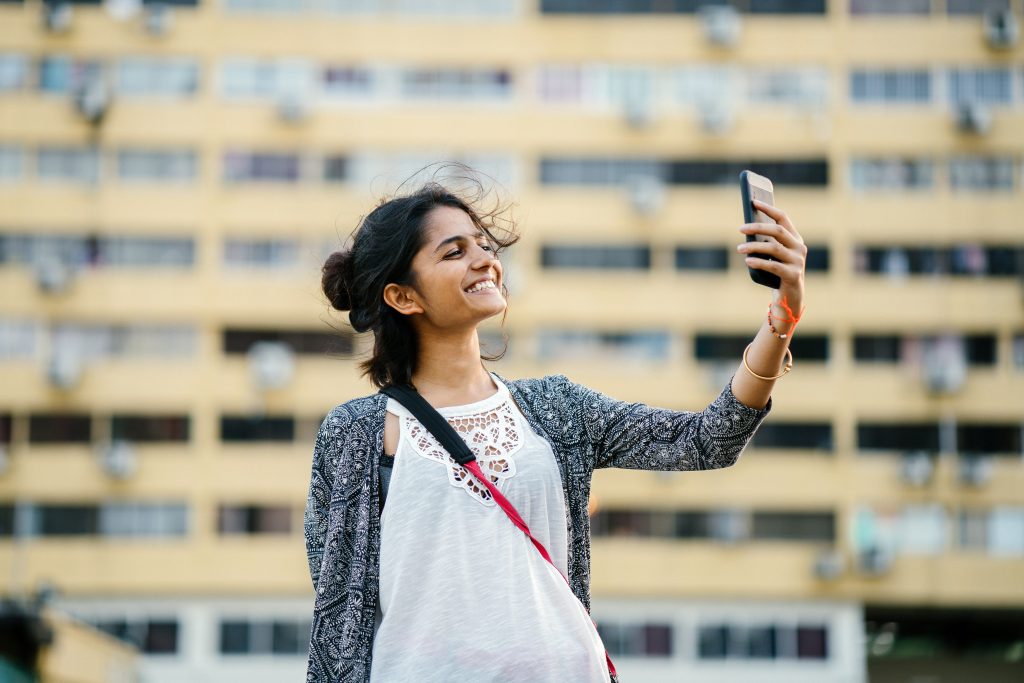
x=271 y=364
x=973 y=117
x=64 y=367
x=1001 y=29
x=974 y=470
x=944 y=365
x=646 y=194
x=92 y=100
x=917 y=468
x=293 y=107
x=721 y=24
x=57 y=16
x=117 y=459
x=716 y=117
x=874 y=561
x=52 y=274
x=158 y=19
x=639 y=112
x=829 y=564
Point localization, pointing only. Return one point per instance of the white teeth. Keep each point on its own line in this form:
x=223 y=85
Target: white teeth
x=486 y=284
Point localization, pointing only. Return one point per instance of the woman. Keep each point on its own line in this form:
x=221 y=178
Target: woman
x=440 y=586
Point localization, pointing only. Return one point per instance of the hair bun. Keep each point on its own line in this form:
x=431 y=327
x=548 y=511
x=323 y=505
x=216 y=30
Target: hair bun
x=338 y=276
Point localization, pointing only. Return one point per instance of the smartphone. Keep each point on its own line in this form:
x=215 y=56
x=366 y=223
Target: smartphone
x=754 y=186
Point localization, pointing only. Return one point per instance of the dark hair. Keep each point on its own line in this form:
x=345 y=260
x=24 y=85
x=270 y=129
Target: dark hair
x=382 y=249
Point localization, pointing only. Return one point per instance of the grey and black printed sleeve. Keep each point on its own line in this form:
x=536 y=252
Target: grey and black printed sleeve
x=318 y=502
x=640 y=437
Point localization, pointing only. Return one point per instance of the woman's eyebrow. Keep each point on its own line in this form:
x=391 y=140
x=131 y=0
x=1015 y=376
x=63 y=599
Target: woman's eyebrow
x=457 y=238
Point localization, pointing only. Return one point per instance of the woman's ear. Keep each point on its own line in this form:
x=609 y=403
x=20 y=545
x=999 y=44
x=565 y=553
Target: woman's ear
x=399 y=297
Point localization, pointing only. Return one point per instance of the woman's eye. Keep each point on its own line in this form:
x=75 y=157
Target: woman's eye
x=455 y=252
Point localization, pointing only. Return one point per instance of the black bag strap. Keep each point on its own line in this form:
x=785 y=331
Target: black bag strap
x=433 y=421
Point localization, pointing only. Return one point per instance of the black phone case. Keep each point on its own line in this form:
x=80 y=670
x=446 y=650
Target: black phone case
x=761 y=277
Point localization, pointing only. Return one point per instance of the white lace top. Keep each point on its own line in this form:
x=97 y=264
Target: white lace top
x=464 y=594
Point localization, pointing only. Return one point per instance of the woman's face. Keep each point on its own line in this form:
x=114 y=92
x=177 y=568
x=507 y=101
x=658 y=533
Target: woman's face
x=457 y=274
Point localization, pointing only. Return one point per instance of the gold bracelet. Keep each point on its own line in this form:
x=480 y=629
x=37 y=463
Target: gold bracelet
x=787 y=368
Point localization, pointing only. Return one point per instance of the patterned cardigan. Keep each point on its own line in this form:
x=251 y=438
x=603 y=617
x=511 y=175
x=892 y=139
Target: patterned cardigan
x=585 y=429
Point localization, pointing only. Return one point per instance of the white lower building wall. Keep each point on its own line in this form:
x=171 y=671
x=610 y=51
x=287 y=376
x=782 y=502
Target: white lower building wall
x=845 y=661
x=198 y=658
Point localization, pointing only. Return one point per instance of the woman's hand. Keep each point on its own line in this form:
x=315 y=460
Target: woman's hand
x=789 y=250
x=764 y=355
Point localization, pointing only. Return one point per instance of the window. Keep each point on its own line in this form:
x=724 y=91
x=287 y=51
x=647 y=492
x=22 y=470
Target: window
x=254 y=79
x=975 y=6
x=810 y=172
x=707 y=84
x=336 y=169
x=143 y=520
x=761 y=641
x=347 y=83
x=257 y=428
x=143 y=341
x=812 y=642
x=729 y=348
x=922 y=436
x=702 y=258
x=617 y=257
x=18 y=339
x=5 y=429
x=1006 y=532
x=800 y=86
x=996 y=439
x=793 y=526
x=817 y=259
x=10 y=163
x=13 y=71
x=980 y=349
x=923 y=530
x=44 y=428
x=6 y=520
x=890 y=7
x=150 y=636
x=132 y=252
x=678 y=6
x=63 y=520
x=68 y=164
x=150 y=165
x=632 y=345
x=456 y=84
x=1017 y=349
x=891 y=174
x=157 y=77
x=261 y=167
x=61 y=75
x=884 y=348
x=891 y=86
x=275 y=254
x=636 y=640
x=275 y=637
x=794 y=435
x=149 y=428
x=302 y=342
x=596 y=171
x=981 y=173
x=252 y=519
x=988 y=85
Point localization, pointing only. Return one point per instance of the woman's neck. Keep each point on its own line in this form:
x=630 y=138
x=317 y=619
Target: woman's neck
x=449 y=371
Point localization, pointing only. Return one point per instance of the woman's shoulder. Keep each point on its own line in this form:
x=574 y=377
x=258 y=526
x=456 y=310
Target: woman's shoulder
x=357 y=411
x=540 y=388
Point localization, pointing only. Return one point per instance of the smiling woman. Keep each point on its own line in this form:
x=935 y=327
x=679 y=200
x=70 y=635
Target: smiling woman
x=438 y=584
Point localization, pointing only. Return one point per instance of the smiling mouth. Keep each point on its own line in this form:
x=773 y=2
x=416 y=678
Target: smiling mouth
x=483 y=286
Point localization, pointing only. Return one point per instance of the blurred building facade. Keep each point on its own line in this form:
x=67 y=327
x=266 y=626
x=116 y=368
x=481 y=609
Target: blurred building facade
x=172 y=174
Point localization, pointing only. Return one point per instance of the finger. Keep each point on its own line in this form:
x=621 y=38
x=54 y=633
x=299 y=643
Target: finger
x=788 y=255
x=779 y=232
x=784 y=271
x=777 y=214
